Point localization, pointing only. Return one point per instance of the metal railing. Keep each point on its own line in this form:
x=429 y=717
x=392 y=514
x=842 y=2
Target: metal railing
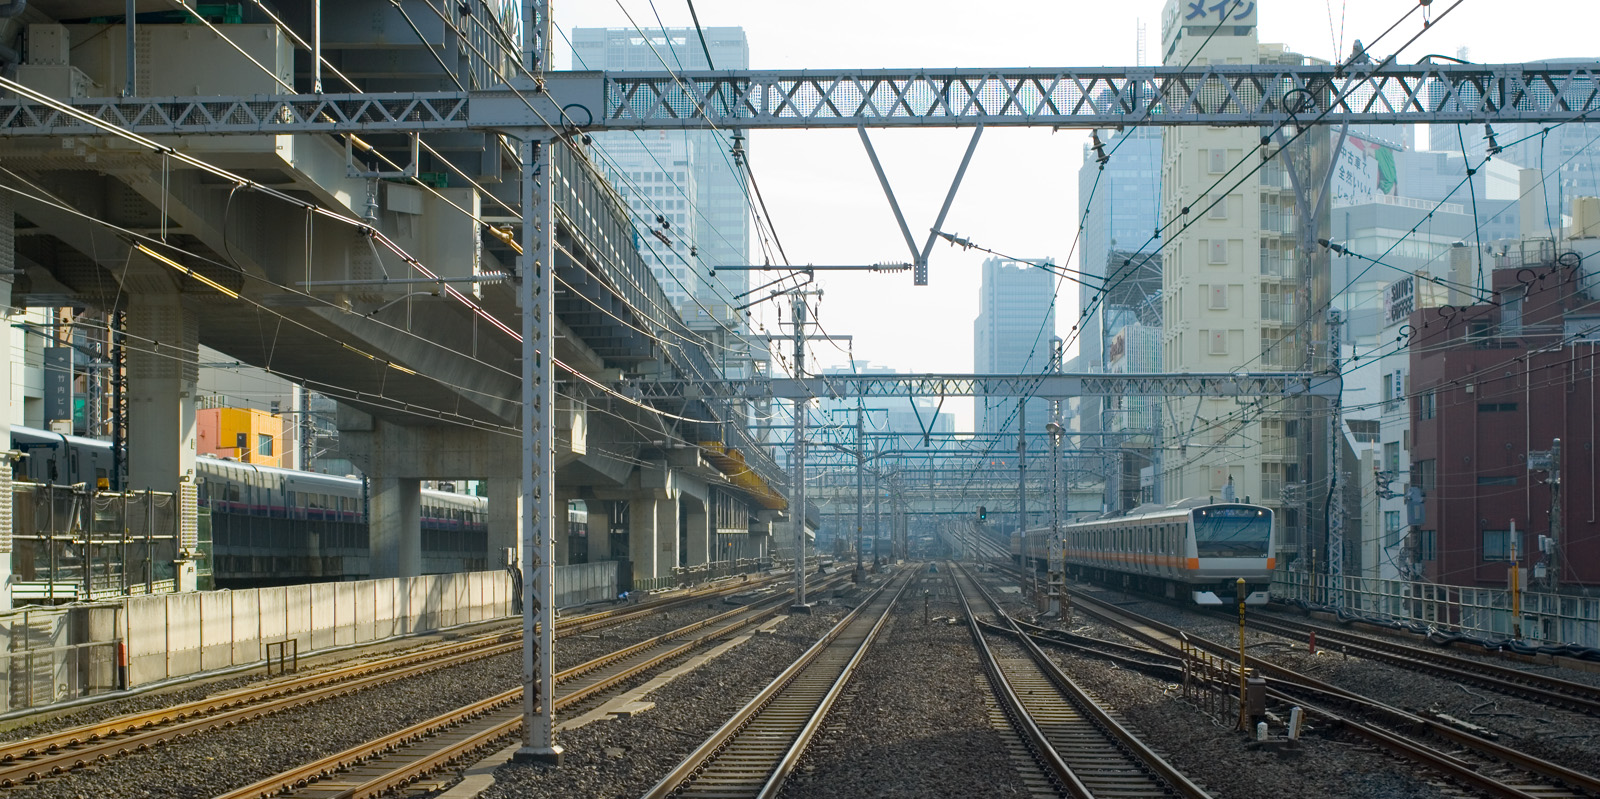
x=682 y=575
x=1483 y=612
x=40 y=668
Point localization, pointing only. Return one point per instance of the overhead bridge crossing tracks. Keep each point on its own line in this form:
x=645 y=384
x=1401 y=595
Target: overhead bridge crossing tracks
x=1100 y=97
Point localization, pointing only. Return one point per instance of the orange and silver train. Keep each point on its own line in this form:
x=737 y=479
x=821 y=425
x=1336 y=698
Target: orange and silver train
x=1194 y=548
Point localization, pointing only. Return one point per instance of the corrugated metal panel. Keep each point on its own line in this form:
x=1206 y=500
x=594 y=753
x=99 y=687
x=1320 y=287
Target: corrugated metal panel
x=5 y=511
x=188 y=522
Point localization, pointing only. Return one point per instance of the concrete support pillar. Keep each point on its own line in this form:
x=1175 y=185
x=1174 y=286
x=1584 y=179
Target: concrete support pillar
x=563 y=525
x=8 y=415
x=163 y=370
x=759 y=542
x=505 y=520
x=666 y=536
x=599 y=530
x=697 y=523
x=642 y=535
x=395 y=539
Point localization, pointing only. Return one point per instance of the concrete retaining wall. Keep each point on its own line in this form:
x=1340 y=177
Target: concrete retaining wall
x=174 y=635
x=61 y=654
x=582 y=583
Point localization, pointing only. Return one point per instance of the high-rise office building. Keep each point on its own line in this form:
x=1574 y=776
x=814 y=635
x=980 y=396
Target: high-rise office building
x=1237 y=283
x=692 y=173
x=1016 y=321
x=1120 y=207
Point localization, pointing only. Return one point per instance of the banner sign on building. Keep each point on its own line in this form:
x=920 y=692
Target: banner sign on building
x=1363 y=171
x=1399 y=300
x=1206 y=15
x=58 y=383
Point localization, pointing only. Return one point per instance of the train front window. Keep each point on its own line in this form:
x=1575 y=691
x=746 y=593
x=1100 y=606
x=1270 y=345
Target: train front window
x=1232 y=532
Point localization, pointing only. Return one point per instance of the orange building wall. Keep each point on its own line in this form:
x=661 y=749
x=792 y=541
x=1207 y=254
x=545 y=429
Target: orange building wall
x=219 y=430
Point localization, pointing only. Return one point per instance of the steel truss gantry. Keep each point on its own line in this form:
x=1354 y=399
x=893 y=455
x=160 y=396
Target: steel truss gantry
x=1046 y=386
x=1096 y=97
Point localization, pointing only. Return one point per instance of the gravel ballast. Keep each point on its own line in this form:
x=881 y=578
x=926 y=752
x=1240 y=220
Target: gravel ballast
x=202 y=766
x=623 y=757
x=1566 y=737
x=912 y=723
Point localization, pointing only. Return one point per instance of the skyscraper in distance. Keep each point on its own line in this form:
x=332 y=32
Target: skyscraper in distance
x=1011 y=335
x=710 y=195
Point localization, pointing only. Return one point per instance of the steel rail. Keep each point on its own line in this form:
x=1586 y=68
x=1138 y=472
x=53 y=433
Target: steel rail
x=1111 y=738
x=454 y=737
x=64 y=750
x=1011 y=706
x=1291 y=683
x=775 y=705
x=1517 y=682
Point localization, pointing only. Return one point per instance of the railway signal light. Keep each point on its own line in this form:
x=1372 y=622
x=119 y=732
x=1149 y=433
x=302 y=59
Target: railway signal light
x=983 y=513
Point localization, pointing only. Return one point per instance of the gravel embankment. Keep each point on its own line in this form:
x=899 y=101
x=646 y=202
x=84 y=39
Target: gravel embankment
x=1209 y=752
x=916 y=700
x=1551 y=733
x=1213 y=755
x=221 y=760
x=623 y=757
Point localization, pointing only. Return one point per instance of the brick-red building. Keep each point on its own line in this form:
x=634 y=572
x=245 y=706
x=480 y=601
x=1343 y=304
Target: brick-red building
x=1491 y=383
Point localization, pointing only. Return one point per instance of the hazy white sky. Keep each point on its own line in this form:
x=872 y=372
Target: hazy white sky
x=1020 y=192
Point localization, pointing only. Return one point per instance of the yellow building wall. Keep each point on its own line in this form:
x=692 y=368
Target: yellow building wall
x=220 y=429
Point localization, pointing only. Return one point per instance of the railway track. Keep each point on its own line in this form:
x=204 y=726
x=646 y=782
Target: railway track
x=36 y=758
x=754 y=752
x=1473 y=761
x=1082 y=744
x=390 y=763
x=1516 y=682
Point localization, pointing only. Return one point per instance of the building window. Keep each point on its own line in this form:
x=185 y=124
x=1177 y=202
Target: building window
x=1219 y=251
x=1219 y=298
x=1364 y=431
x=1428 y=404
x=1426 y=545
x=1271 y=482
x=1218 y=161
x=1511 y=313
x=1496 y=545
x=1391 y=457
x=1497 y=407
x=1391 y=528
x=1219 y=210
x=1219 y=342
x=264 y=444
x=1423 y=472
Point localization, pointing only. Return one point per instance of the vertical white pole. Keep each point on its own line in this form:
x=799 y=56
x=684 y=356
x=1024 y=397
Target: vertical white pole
x=316 y=48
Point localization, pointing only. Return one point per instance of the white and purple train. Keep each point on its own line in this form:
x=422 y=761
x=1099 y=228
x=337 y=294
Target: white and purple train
x=271 y=525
